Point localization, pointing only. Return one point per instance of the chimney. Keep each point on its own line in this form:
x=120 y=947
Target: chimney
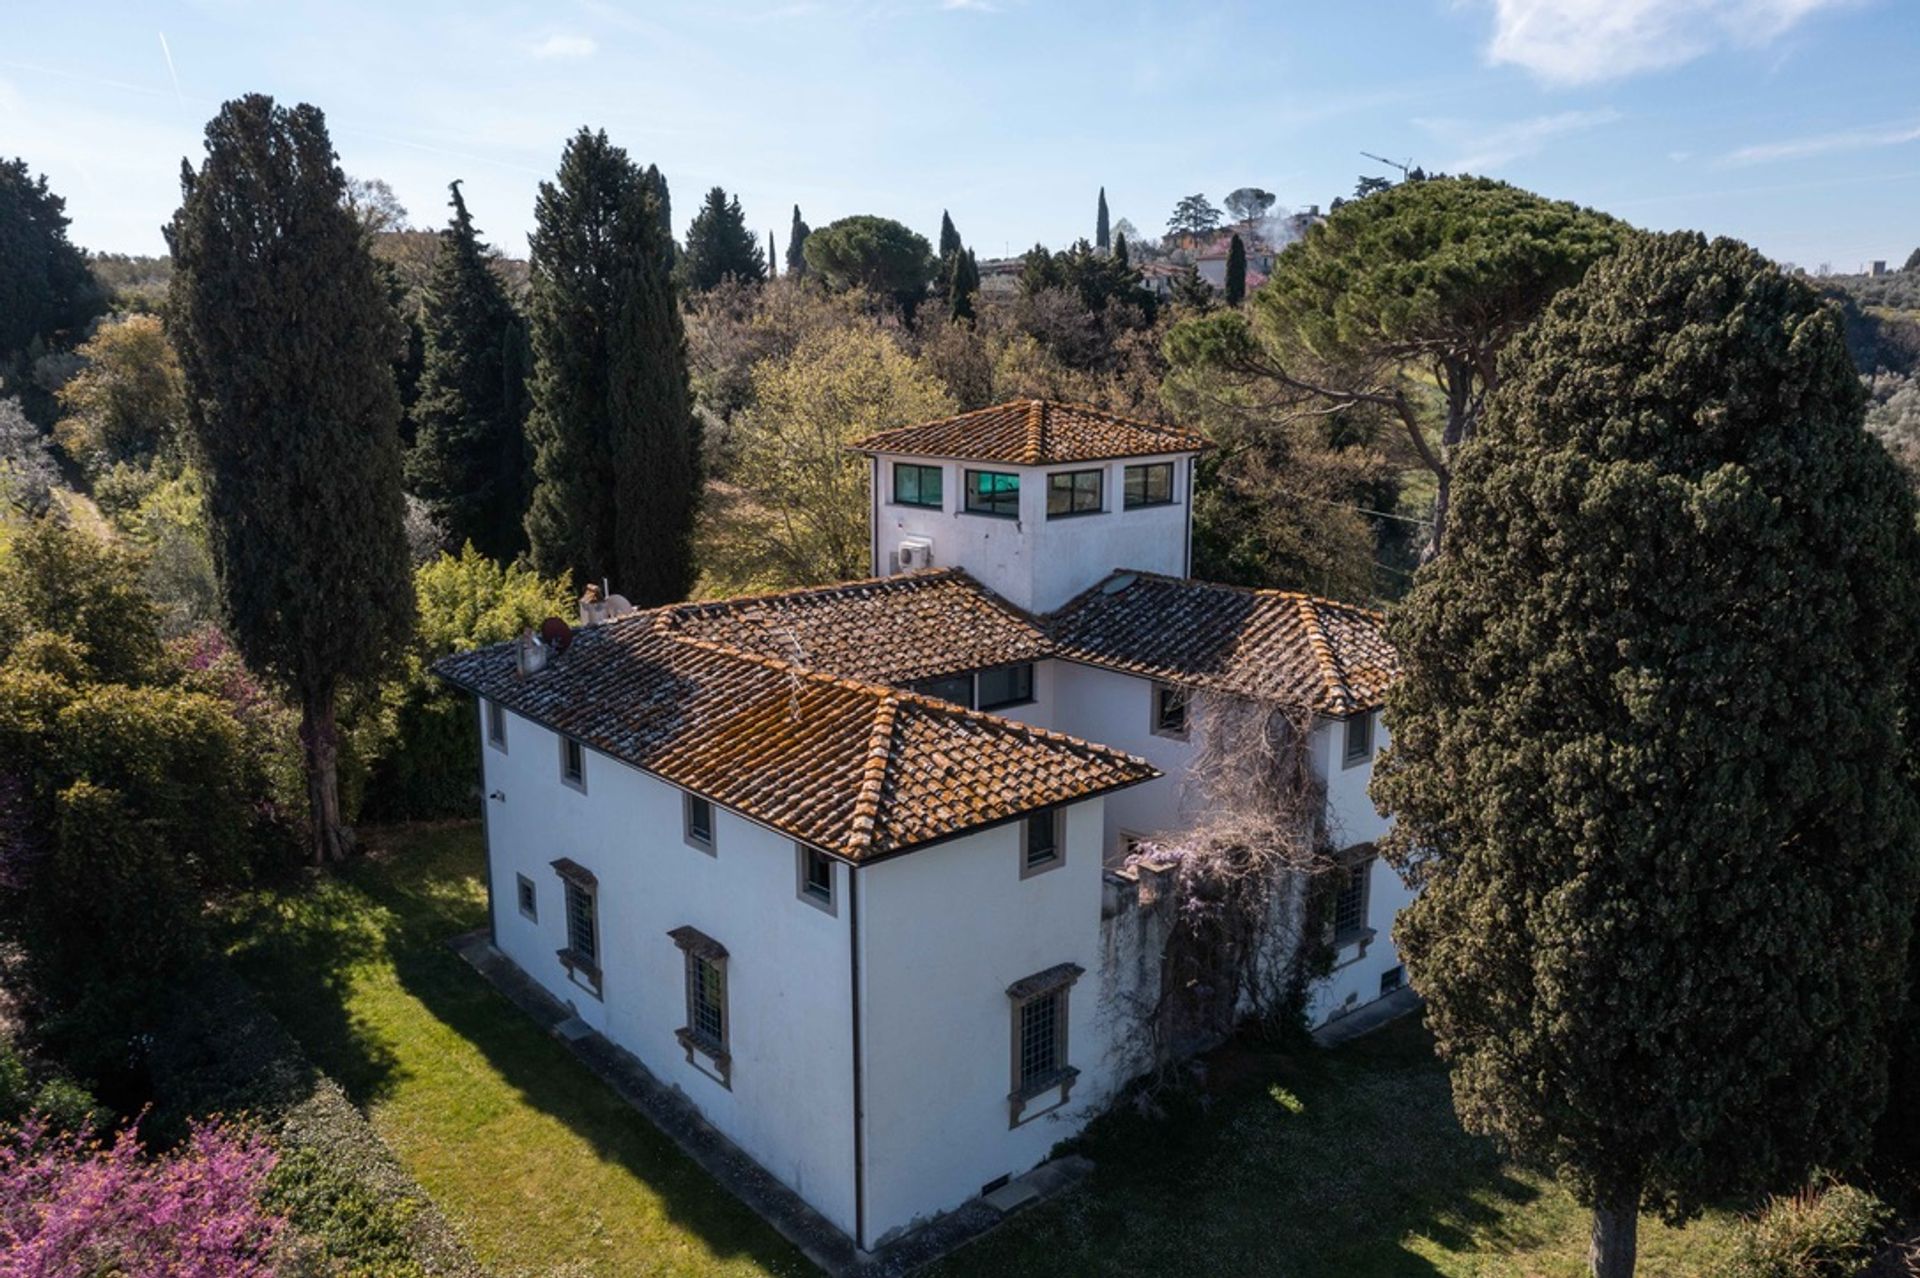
x=529 y=654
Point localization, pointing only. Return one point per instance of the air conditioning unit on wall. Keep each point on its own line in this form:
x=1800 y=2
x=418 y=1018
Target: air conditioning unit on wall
x=916 y=553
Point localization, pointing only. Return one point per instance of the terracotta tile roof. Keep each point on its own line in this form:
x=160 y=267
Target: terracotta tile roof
x=885 y=630
x=1270 y=644
x=858 y=769
x=1034 y=432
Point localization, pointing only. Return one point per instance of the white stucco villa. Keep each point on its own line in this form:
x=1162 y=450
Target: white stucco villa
x=848 y=866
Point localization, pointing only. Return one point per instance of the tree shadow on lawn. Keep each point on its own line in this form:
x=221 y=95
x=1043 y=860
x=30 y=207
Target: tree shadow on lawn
x=1301 y=1162
x=425 y=883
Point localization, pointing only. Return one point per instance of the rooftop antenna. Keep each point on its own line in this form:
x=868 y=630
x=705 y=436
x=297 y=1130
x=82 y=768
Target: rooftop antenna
x=1392 y=164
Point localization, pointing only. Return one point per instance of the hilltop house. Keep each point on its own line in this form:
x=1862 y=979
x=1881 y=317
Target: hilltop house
x=850 y=866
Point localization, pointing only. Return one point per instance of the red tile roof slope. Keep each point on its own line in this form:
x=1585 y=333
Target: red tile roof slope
x=858 y=769
x=1034 y=432
x=887 y=629
x=1275 y=645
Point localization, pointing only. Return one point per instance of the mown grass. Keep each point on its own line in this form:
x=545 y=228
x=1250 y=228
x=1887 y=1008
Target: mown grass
x=1343 y=1163
x=540 y=1168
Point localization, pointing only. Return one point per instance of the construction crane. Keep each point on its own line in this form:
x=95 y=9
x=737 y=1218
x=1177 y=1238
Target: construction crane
x=1392 y=164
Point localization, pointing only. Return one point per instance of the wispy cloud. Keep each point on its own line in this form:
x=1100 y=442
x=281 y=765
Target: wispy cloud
x=565 y=46
x=1479 y=148
x=1586 y=41
x=1869 y=139
x=172 y=74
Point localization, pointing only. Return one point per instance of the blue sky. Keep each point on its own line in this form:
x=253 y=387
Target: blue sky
x=1793 y=124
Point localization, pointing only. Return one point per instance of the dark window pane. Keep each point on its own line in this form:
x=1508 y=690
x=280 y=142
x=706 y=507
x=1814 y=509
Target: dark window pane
x=1043 y=837
x=1075 y=492
x=1040 y=1039
x=706 y=1001
x=699 y=820
x=916 y=485
x=582 y=937
x=1007 y=686
x=1350 y=907
x=1149 y=485
x=955 y=688
x=991 y=492
x=1170 y=710
x=819 y=875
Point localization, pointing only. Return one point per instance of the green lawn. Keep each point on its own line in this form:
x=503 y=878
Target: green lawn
x=1343 y=1164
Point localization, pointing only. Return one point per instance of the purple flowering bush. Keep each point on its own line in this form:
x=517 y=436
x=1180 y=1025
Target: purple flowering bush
x=71 y=1205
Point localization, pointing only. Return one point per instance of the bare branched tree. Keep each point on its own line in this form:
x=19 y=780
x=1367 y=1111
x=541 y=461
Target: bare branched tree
x=1237 y=887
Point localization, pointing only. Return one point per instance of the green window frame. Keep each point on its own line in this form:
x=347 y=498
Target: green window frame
x=917 y=485
x=1076 y=492
x=993 y=492
x=1148 y=484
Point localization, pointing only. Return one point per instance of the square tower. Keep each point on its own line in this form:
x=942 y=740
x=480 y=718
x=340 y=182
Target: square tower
x=1037 y=500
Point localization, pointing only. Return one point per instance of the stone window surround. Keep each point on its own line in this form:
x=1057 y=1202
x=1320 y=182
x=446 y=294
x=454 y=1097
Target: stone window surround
x=527 y=897
x=715 y=1060
x=1154 y=703
x=572 y=782
x=711 y=844
x=1029 y=869
x=1058 y=979
x=581 y=970
x=497 y=726
x=1348 y=758
x=828 y=904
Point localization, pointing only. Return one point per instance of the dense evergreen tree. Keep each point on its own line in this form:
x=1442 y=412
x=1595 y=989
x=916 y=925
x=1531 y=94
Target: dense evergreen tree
x=469 y=459
x=949 y=237
x=962 y=285
x=286 y=336
x=1425 y=282
x=773 y=256
x=656 y=183
x=797 y=245
x=1913 y=261
x=1190 y=289
x=1193 y=215
x=1120 y=252
x=719 y=245
x=1236 y=289
x=615 y=446
x=1102 y=230
x=46 y=289
x=874 y=253
x=1651 y=752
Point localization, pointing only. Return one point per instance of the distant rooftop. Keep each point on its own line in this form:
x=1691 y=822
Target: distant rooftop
x=1034 y=432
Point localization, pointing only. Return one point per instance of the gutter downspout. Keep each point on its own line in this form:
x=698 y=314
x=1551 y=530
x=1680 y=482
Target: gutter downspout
x=486 y=818
x=859 y=1081
x=873 y=514
x=1186 y=533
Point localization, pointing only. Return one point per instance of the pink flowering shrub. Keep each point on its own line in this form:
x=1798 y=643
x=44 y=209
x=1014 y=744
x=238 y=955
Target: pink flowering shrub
x=72 y=1207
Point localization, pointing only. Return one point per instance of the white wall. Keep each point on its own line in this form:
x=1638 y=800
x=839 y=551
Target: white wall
x=1117 y=710
x=1352 y=818
x=1035 y=562
x=789 y=968
x=944 y=931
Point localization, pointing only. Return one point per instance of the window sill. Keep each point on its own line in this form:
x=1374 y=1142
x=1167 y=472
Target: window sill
x=1073 y=514
x=1029 y=869
x=989 y=514
x=577 y=785
x=581 y=971
x=1166 y=734
x=716 y=1063
x=936 y=506
x=1357 y=941
x=1348 y=765
x=1148 y=505
x=1024 y=1104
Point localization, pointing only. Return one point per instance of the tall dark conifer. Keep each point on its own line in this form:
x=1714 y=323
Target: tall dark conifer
x=796 y=245
x=773 y=256
x=962 y=285
x=1102 y=230
x=469 y=458
x=286 y=339
x=615 y=445
x=1120 y=250
x=1236 y=289
x=719 y=245
x=949 y=237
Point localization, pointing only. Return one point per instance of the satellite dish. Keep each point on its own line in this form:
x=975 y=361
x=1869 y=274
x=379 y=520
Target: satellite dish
x=556 y=634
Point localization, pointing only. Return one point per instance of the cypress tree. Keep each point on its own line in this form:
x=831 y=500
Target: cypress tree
x=796 y=245
x=949 y=238
x=719 y=245
x=1120 y=250
x=962 y=284
x=1652 y=756
x=1102 y=232
x=615 y=445
x=773 y=256
x=1236 y=289
x=469 y=457
x=657 y=183
x=285 y=336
